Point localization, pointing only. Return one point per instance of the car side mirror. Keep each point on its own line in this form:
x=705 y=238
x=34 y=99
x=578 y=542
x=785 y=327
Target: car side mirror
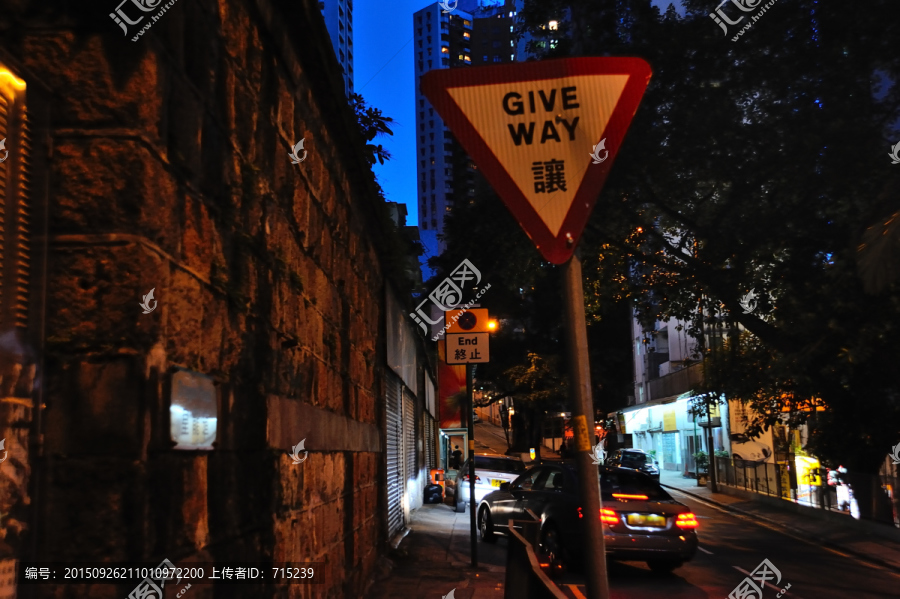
x=504 y=487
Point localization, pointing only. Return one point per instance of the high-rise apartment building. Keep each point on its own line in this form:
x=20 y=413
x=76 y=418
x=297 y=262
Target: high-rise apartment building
x=475 y=32
x=339 y=22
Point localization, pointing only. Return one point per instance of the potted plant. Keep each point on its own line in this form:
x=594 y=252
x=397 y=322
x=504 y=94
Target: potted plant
x=701 y=458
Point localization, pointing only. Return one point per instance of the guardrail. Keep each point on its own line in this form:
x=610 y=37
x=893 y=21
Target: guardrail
x=524 y=577
x=877 y=496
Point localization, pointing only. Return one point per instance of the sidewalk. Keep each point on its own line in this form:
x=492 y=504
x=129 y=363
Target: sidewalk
x=435 y=559
x=849 y=536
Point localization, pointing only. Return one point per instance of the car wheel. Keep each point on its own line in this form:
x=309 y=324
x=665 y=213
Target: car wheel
x=550 y=550
x=664 y=566
x=486 y=526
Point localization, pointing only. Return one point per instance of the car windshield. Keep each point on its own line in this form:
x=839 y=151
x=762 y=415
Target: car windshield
x=498 y=464
x=630 y=483
x=633 y=460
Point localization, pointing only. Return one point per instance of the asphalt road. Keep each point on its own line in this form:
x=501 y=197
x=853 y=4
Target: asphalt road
x=731 y=547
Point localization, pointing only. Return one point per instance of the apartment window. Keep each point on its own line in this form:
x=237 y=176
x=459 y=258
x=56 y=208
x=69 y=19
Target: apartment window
x=423 y=164
x=484 y=58
x=15 y=177
x=422 y=127
x=431 y=112
x=419 y=19
x=428 y=26
x=467 y=35
x=432 y=137
x=421 y=115
x=420 y=43
x=429 y=16
x=432 y=160
x=340 y=25
x=496 y=58
x=512 y=56
x=341 y=53
x=419 y=31
x=512 y=44
x=420 y=56
x=429 y=40
x=445 y=62
x=434 y=223
x=431 y=124
x=429 y=64
x=445 y=50
x=340 y=40
x=425 y=225
x=422 y=103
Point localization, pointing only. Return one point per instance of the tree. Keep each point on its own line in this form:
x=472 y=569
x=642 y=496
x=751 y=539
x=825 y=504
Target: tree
x=372 y=123
x=773 y=167
x=536 y=389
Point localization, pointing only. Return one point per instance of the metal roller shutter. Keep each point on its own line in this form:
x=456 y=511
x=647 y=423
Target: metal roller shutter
x=430 y=461
x=394 y=437
x=409 y=434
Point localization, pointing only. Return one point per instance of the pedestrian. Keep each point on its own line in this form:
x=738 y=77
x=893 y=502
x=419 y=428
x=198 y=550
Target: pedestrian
x=457 y=458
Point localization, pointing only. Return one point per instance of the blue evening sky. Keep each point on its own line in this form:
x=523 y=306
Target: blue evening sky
x=384 y=67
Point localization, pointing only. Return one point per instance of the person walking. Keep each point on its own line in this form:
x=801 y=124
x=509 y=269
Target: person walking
x=457 y=458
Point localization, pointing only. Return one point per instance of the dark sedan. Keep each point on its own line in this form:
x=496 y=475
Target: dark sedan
x=642 y=522
x=636 y=459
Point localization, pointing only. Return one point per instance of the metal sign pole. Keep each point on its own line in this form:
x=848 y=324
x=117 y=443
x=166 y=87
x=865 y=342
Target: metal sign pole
x=582 y=409
x=470 y=407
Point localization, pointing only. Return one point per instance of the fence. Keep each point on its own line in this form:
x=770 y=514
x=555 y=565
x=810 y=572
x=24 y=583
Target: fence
x=877 y=496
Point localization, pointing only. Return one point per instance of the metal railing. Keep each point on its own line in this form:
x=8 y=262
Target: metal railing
x=878 y=494
x=524 y=577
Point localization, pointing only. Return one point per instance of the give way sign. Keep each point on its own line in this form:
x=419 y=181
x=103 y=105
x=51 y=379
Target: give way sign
x=544 y=134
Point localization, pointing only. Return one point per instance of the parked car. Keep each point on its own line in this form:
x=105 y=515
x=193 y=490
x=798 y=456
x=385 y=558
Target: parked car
x=490 y=472
x=745 y=448
x=636 y=459
x=641 y=521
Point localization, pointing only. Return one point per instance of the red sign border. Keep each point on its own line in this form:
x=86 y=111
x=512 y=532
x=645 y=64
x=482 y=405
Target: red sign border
x=556 y=249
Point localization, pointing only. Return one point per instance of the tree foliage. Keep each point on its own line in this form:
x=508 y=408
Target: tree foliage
x=757 y=165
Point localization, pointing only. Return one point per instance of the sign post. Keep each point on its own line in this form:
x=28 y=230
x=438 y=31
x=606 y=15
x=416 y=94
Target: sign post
x=545 y=135
x=468 y=342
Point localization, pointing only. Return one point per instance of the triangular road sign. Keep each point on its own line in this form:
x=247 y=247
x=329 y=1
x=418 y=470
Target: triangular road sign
x=532 y=129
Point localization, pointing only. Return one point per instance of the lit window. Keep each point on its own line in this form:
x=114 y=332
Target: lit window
x=554 y=25
x=445 y=50
x=468 y=59
x=466 y=34
x=512 y=44
x=512 y=56
x=496 y=58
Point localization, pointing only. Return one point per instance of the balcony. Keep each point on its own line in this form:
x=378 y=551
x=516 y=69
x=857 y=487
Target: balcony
x=676 y=383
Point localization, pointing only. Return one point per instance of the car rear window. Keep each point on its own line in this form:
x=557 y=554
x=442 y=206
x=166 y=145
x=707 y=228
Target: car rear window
x=630 y=483
x=633 y=460
x=499 y=464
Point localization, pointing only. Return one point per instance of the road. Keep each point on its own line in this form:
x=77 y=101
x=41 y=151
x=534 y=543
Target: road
x=731 y=547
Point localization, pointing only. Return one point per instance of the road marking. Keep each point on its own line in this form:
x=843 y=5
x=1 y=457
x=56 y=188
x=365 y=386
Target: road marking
x=770 y=585
x=573 y=588
x=796 y=537
x=704 y=550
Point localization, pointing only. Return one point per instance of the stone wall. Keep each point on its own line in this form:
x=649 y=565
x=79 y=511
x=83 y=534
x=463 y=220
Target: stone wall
x=169 y=170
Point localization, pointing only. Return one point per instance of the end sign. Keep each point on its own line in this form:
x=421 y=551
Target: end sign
x=544 y=134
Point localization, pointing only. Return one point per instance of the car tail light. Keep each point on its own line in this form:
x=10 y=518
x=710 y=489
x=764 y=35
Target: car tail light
x=621 y=496
x=687 y=520
x=477 y=478
x=607 y=516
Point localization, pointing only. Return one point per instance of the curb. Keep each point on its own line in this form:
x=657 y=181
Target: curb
x=799 y=534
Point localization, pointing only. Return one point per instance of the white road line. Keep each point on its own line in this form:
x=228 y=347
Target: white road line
x=796 y=537
x=771 y=586
x=704 y=550
x=573 y=588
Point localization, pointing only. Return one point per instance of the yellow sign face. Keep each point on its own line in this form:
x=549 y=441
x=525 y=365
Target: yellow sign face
x=547 y=121
x=669 y=423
